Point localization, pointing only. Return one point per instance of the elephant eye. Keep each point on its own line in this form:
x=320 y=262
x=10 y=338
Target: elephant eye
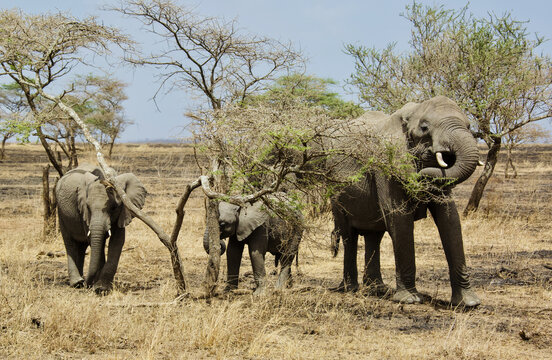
x=424 y=127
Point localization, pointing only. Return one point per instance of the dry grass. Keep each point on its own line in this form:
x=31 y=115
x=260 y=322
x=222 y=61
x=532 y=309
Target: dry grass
x=508 y=245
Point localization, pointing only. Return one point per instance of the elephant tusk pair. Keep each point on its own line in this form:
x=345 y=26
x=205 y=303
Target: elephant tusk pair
x=480 y=163
x=440 y=161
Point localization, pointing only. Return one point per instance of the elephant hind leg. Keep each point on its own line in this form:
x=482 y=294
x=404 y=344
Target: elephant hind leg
x=285 y=279
x=350 y=271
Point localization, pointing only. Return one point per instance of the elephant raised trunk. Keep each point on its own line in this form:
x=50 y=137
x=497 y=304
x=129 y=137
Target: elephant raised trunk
x=458 y=161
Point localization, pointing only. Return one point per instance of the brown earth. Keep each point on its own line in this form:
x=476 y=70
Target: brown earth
x=508 y=246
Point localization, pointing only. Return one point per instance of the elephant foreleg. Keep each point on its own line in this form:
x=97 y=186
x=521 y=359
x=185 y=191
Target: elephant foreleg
x=233 y=261
x=372 y=268
x=258 y=243
x=447 y=220
x=75 y=259
x=75 y=262
x=109 y=268
x=401 y=230
x=81 y=252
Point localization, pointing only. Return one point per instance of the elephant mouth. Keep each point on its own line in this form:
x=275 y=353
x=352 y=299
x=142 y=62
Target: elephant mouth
x=445 y=159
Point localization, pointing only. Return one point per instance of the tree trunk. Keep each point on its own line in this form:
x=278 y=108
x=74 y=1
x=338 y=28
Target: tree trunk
x=213 y=265
x=509 y=163
x=49 y=226
x=479 y=187
x=73 y=160
x=110 y=151
x=3 y=150
x=49 y=152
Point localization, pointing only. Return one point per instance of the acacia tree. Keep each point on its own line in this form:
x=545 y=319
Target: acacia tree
x=489 y=66
x=14 y=119
x=100 y=104
x=38 y=50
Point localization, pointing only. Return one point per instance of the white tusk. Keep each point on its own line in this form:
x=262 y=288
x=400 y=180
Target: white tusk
x=440 y=160
x=480 y=163
x=88 y=235
x=109 y=233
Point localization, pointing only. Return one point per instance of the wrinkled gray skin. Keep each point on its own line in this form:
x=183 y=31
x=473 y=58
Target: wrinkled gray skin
x=378 y=204
x=252 y=225
x=89 y=213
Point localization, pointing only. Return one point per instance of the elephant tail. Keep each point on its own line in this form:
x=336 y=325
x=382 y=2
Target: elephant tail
x=334 y=247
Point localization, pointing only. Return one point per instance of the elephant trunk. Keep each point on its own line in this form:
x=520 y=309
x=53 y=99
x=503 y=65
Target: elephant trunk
x=456 y=162
x=206 y=243
x=98 y=231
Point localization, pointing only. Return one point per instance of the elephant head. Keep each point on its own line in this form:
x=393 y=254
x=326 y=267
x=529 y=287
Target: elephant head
x=237 y=221
x=438 y=134
x=103 y=211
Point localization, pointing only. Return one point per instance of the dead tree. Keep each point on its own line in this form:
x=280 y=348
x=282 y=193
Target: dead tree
x=49 y=204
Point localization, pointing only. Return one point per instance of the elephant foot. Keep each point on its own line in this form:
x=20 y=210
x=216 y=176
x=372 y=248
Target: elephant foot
x=102 y=288
x=376 y=288
x=464 y=297
x=77 y=284
x=342 y=287
x=259 y=291
x=405 y=296
x=229 y=287
x=284 y=282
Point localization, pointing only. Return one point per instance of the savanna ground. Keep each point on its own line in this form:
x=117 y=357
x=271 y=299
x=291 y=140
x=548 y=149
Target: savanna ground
x=508 y=247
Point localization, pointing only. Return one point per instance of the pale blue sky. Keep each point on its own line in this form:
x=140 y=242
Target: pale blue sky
x=319 y=27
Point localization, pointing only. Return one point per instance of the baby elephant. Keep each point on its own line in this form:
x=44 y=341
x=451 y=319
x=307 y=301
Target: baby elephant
x=261 y=231
x=90 y=212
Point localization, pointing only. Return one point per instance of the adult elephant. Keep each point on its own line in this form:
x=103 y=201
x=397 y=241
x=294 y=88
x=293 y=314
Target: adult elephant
x=90 y=211
x=262 y=231
x=437 y=133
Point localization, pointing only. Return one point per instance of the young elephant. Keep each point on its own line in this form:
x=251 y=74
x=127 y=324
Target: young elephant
x=89 y=212
x=262 y=232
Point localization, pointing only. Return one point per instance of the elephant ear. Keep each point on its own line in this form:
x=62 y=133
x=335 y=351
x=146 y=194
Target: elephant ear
x=403 y=114
x=82 y=194
x=250 y=218
x=136 y=193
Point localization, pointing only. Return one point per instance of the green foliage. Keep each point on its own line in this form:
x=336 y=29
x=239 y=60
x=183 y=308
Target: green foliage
x=490 y=66
x=312 y=91
x=14 y=119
